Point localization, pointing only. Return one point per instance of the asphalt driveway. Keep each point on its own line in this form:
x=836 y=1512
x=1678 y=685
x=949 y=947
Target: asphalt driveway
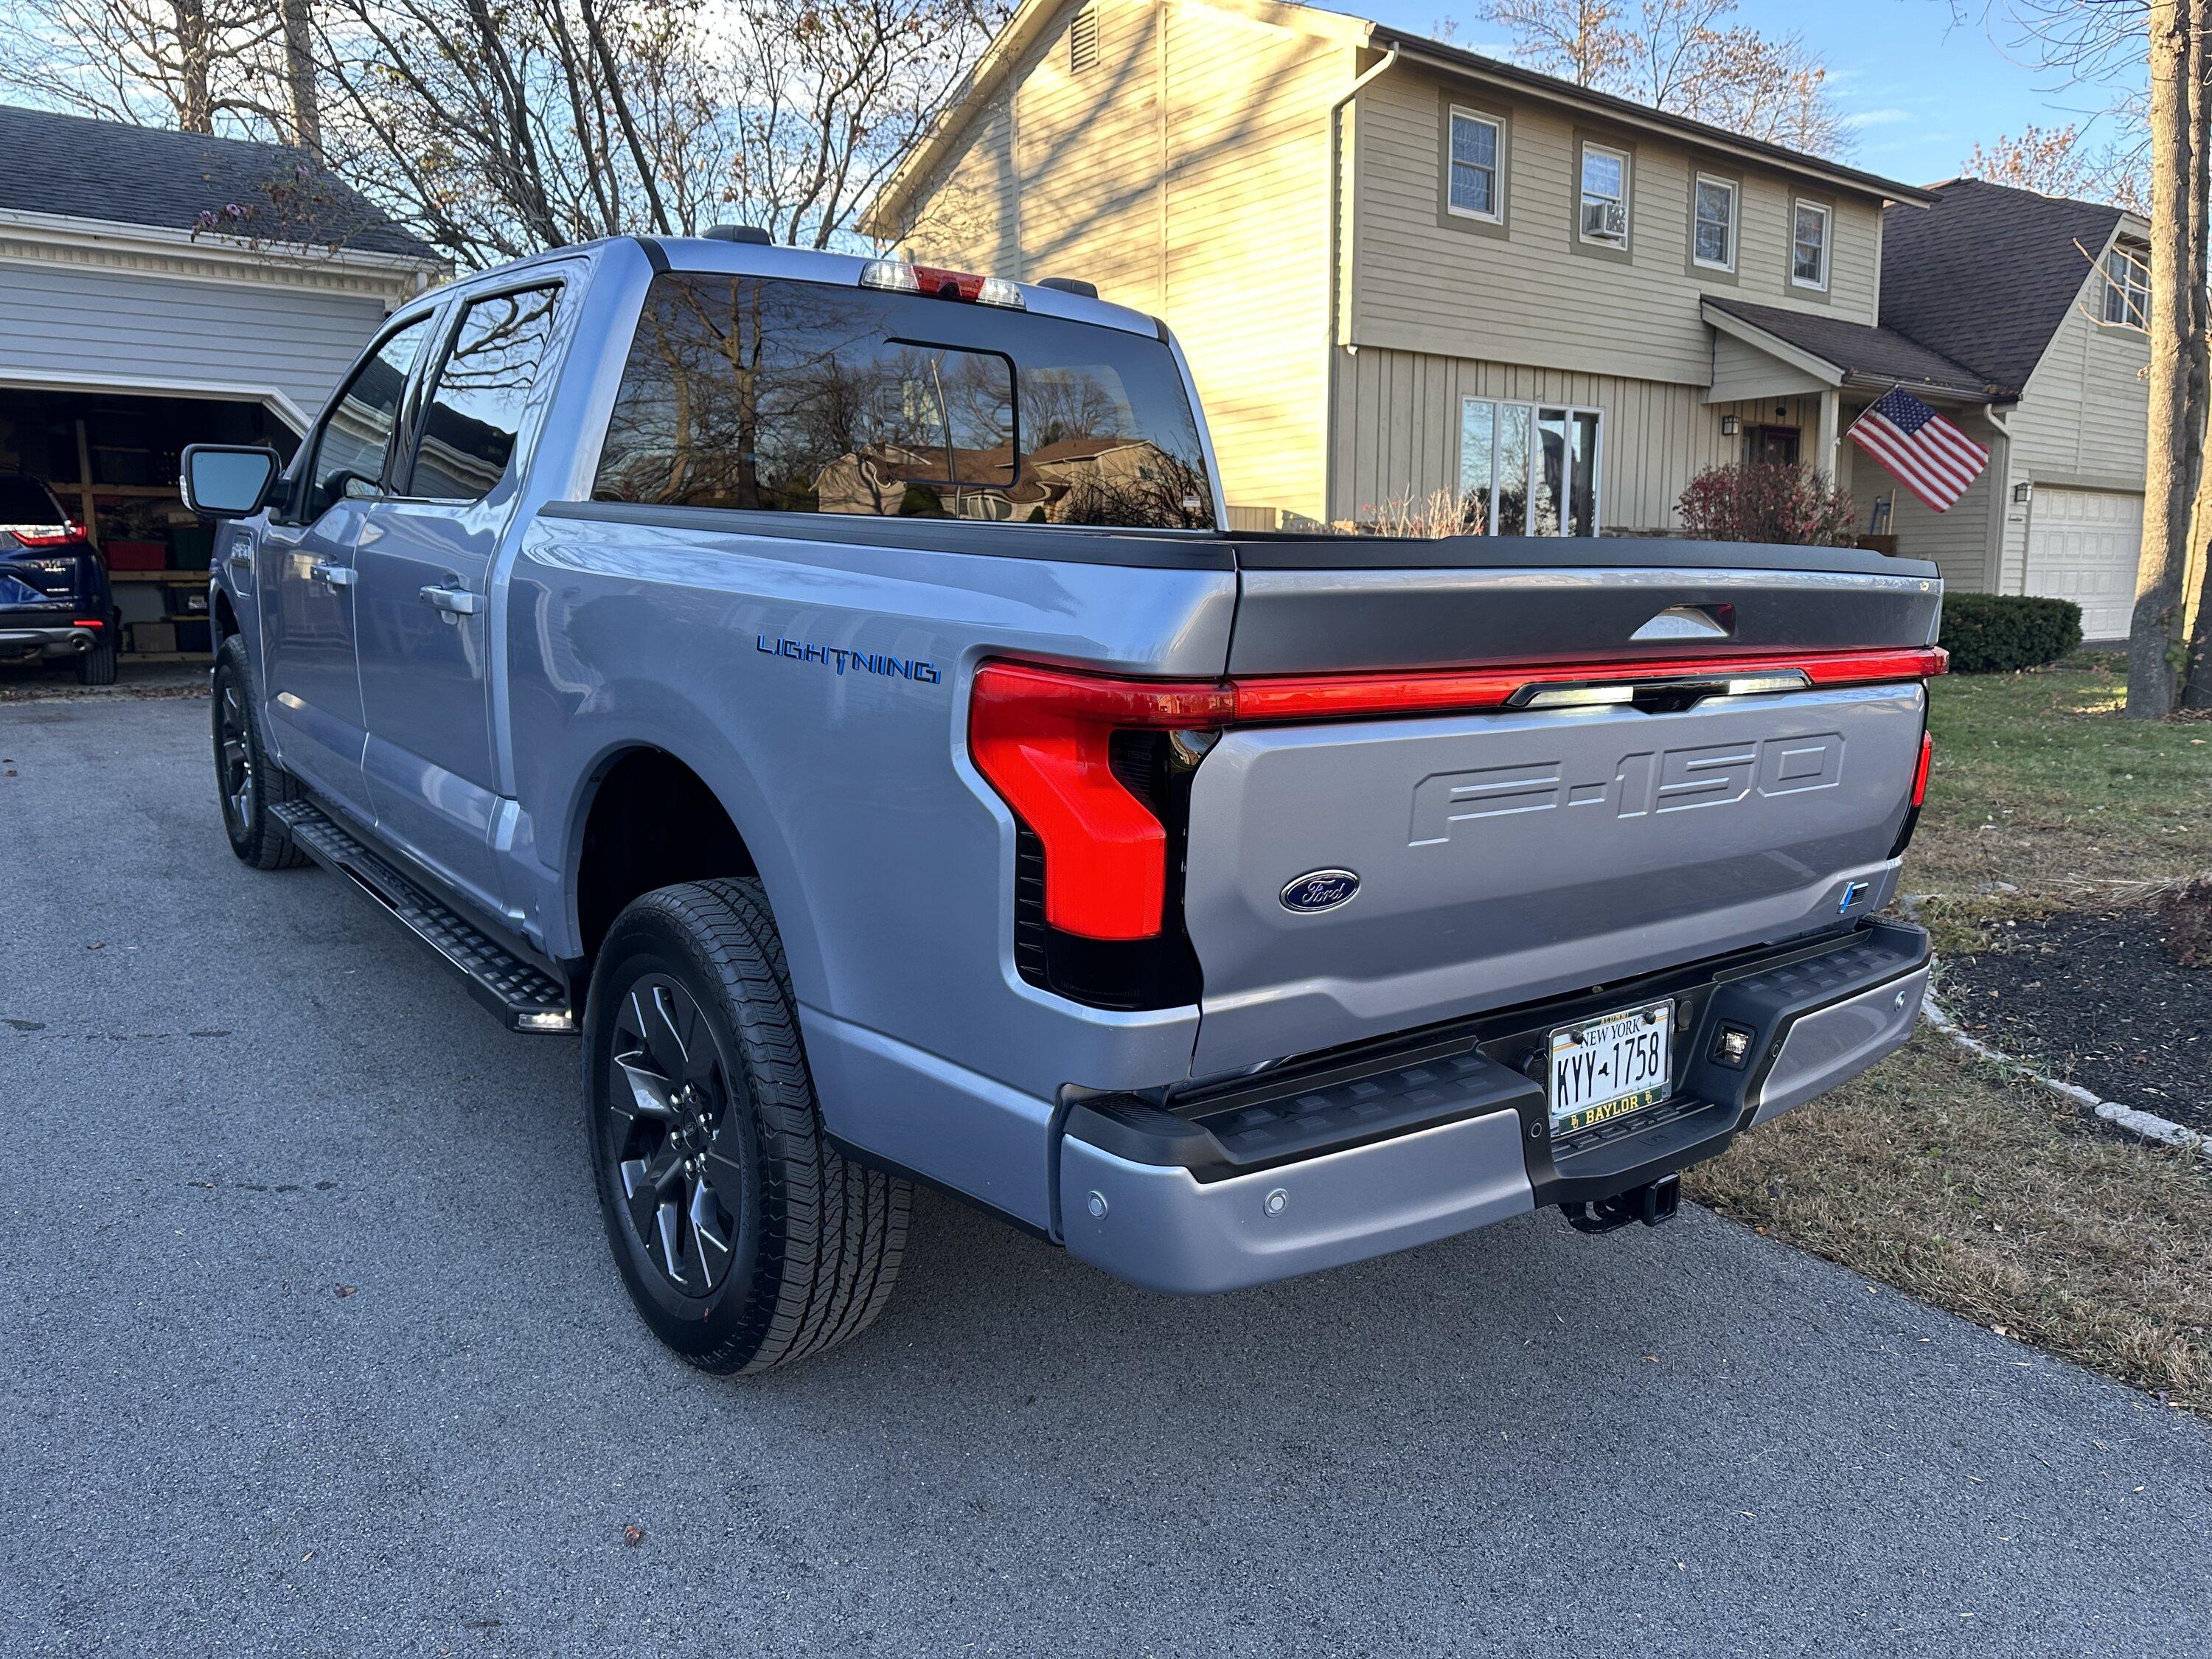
x=309 y=1343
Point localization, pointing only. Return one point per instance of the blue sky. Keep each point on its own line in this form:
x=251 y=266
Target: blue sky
x=1919 y=91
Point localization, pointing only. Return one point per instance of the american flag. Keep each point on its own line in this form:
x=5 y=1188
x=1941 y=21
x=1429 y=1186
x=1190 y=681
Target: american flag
x=1930 y=456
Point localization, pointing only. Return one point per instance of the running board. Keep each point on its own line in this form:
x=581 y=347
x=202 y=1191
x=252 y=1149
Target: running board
x=526 y=997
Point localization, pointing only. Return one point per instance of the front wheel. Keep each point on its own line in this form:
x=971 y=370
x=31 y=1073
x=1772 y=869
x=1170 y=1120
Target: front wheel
x=247 y=780
x=745 y=1240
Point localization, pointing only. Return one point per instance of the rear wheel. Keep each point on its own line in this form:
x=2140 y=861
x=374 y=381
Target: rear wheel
x=743 y=1236
x=244 y=777
x=97 y=666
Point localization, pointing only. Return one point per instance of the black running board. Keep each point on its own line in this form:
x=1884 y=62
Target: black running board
x=526 y=997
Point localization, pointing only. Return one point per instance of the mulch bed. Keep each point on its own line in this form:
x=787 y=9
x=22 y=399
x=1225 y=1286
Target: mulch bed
x=2093 y=998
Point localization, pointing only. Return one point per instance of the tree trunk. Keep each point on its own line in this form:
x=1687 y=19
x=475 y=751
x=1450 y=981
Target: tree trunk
x=2154 y=628
x=300 y=89
x=195 y=104
x=2197 y=662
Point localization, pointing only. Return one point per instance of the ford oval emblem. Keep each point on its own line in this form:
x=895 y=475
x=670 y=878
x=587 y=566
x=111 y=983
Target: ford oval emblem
x=1319 y=889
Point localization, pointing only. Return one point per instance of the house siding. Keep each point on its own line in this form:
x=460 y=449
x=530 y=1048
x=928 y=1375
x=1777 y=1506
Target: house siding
x=69 y=326
x=1528 y=296
x=2082 y=420
x=1397 y=430
x=1137 y=175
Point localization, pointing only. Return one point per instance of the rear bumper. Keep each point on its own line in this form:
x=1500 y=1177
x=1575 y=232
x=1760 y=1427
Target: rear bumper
x=1344 y=1156
x=46 y=639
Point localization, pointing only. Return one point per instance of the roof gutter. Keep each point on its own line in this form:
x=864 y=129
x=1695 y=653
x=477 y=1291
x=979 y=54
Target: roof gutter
x=1333 y=243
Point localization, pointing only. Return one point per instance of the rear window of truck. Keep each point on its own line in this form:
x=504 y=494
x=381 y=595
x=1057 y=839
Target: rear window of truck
x=772 y=395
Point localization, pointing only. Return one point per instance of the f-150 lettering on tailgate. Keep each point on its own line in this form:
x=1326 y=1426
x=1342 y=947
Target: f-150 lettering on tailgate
x=1675 y=780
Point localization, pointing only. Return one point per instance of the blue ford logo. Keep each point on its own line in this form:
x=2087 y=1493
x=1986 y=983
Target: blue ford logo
x=1319 y=889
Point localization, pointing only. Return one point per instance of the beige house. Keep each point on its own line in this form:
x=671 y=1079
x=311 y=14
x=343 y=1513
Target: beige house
x=1398 y=268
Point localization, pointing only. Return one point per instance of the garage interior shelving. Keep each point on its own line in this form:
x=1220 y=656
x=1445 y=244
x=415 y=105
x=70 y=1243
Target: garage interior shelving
x=111 y=459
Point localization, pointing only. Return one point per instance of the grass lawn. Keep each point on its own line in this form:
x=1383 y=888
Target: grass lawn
x=1939 y=1174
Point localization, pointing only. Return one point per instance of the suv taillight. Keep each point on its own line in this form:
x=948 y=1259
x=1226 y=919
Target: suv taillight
x=45 y=535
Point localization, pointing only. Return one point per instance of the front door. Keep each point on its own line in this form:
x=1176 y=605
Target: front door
x=1774 y=446
x=311 y=689
x=425 y=593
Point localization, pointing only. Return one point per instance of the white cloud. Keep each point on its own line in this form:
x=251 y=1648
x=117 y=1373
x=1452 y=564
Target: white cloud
x=1876 y=118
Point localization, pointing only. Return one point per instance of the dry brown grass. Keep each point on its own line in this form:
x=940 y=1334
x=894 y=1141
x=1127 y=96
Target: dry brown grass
x=1938 y=1175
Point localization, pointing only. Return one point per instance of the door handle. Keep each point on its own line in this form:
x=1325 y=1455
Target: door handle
x=453 y=601
x=331 y=575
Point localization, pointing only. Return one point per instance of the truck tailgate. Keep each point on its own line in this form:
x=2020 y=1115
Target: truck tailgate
x=1500 y=856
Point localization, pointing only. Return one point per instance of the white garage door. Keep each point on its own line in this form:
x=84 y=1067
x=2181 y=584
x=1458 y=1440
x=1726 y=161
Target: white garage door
x=2082 y=545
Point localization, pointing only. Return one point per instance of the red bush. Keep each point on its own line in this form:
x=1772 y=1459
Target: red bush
x=1769 y=501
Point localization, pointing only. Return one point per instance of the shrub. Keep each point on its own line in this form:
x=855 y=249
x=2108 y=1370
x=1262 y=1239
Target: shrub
x=1769 y=501
x=1998 y=633
x=2187 y=914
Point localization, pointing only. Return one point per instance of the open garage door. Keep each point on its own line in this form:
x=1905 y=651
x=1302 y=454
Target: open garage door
x=2082 y=545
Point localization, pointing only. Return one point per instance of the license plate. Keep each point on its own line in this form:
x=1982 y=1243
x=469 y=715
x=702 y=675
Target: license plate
x=1609 y=1067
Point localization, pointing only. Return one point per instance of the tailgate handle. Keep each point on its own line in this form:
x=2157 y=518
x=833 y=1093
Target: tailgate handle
x=1689 y=622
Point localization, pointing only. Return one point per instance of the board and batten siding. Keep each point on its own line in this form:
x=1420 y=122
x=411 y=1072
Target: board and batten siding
x=1186 y=174
x=1398 y=421
x=66 y=326
x=1422 y=282
x=2082 y=420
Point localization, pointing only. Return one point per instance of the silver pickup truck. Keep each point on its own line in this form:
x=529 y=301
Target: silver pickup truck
x=828 y=686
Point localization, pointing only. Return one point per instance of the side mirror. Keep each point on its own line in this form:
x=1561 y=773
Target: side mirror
x=227 y=481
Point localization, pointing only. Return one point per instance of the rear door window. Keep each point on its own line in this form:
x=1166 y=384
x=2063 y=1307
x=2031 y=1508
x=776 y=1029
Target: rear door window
x=770 y=395
x=356 y=437
x=473 y=417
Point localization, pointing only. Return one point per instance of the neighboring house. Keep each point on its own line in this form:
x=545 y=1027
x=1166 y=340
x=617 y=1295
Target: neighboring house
x=158 y=287
x=1398 y=268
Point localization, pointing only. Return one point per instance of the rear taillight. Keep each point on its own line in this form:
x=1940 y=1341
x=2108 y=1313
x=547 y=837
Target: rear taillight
x=1045 y=740
x=45 y=535
x=1920 y=772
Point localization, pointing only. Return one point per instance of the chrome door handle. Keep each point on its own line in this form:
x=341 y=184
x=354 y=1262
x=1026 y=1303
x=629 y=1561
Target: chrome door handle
x=332 y=575
x=453 y=601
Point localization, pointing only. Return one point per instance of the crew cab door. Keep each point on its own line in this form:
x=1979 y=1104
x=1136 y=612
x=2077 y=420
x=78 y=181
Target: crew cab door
x=310 y=688
x=424 y=592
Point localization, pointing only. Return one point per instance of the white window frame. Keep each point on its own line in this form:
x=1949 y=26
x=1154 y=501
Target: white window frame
x=2131 y=290
x=1495 y=124
x=1734 y=201
x=1801 y=205
x=1533 y=412
x=1583 y=197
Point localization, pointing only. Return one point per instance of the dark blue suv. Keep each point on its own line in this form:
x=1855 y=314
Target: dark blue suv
x=54 y=598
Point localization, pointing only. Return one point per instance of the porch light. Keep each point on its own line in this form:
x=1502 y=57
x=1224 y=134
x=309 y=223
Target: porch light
x=1729 y=426
x=2020 y=492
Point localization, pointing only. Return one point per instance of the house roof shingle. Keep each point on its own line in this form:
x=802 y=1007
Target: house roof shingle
x=1985 y=275
x=1866 y=354
x=78 y=167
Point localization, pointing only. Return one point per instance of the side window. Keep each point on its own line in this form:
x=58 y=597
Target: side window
x=773 y=396
x=474 y=414
x=351 y=446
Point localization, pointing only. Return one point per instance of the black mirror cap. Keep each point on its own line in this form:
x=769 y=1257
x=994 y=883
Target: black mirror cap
x=218 y=481
x=752 y=234
x=1070 y=285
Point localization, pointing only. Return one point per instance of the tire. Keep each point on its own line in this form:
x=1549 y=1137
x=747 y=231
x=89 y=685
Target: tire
x=695 y=1082
x=247 y=782
x=97 y=666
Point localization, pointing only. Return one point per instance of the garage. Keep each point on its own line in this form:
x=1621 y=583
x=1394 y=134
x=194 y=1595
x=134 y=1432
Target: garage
x=2082 y=546
x=159 y=288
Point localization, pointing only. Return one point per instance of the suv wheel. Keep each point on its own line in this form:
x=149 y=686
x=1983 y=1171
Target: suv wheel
x=244 y=777
x=743 y=1237
x=97 y=666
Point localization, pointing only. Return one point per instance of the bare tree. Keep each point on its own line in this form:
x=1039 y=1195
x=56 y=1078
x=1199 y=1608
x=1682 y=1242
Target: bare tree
x=200 y=66
x=2175 y=447
x=2063 y=161
x=1687 y=56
